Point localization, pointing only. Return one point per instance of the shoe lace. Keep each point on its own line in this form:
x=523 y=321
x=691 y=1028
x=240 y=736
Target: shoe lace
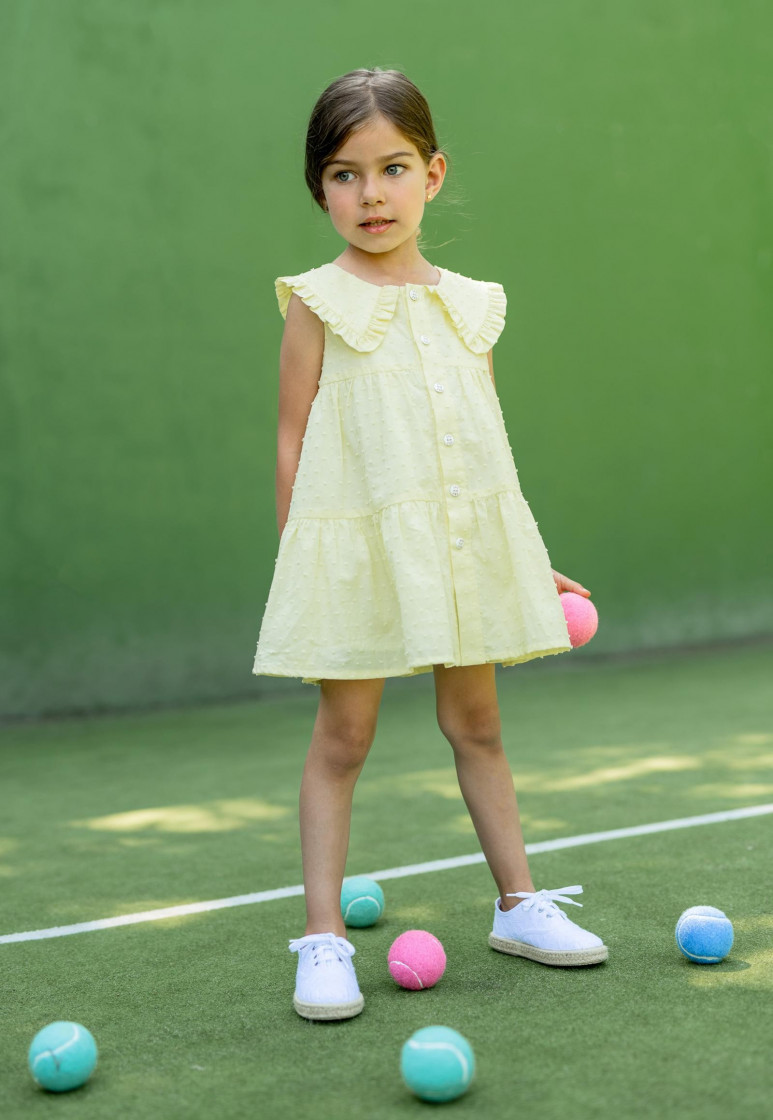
x=546 y=900
x=324 y=947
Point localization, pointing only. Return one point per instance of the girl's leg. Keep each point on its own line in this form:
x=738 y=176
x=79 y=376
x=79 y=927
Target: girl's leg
x=468 y=716
x=343 y=733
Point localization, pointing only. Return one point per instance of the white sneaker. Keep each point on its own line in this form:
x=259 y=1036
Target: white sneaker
x=537 y=929
x=326 y=984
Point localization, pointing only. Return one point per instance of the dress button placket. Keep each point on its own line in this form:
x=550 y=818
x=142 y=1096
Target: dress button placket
x=458 y=506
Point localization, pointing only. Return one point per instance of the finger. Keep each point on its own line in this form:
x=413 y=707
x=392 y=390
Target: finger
x=566 y=584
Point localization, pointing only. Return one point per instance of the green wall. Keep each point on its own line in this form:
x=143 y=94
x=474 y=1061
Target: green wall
x=612 y=166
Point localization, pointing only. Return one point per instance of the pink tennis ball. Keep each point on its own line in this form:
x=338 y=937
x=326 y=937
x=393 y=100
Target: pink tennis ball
x=582 y=619
x=416 y=959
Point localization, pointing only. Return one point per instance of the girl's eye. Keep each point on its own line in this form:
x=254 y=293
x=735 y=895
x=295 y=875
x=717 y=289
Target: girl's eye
x=397 y=168
x=338 y=175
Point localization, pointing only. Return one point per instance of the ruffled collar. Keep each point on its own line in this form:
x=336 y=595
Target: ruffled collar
x=360 y=312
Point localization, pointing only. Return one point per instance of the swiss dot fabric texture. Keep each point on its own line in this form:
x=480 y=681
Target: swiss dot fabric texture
x=408 y=541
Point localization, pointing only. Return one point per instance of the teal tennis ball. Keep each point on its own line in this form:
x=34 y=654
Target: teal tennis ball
x=362 y=901
x=704 y=934
x=62 y=1056
x=437 y=1064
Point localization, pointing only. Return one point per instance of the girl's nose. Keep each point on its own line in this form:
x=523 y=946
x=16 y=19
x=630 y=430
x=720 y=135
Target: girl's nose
x=371 y=195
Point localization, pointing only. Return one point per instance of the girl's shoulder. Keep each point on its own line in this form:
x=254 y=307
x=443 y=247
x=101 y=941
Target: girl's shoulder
x=354 y=309
x=360 y=312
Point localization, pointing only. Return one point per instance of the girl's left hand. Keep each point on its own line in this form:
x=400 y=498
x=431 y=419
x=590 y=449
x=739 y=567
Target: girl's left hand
x=563 y=583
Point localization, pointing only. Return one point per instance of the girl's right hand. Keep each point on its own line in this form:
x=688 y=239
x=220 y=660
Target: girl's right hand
x=563 y=583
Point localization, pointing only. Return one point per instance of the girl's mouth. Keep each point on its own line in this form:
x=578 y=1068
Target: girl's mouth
x=377 y=225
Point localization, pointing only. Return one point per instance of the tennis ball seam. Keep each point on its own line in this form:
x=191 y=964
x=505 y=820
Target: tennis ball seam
x=414 y=1045
x=362 y=898
x=56 y=1051
x=402 y=964
x=700 y=920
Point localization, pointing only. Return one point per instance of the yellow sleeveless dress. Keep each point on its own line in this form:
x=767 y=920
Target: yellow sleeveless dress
x=408 y=541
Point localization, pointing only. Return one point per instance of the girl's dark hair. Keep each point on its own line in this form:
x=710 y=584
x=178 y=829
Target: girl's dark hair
x=356 y=98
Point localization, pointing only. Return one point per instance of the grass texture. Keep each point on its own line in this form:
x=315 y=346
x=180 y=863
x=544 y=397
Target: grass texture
x=193 y=1015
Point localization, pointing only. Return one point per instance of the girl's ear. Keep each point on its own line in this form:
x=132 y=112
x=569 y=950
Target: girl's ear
x=436 y=173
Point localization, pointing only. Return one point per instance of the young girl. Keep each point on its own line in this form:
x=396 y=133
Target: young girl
x=405 y=541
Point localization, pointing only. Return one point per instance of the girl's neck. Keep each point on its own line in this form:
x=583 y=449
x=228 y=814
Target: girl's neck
x=403 y=265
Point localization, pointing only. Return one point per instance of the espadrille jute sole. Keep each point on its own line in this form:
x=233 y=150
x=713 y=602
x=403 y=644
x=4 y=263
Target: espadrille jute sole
x=564 y=958
x=329 y=1010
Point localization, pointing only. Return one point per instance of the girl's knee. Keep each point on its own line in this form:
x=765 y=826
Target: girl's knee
x=467 y=706
x=472 y=729
x=347 y=717
x=342 y=754
x=343 y=743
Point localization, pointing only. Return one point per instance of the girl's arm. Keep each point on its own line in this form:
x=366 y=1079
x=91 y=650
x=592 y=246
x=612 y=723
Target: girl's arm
x=491 y=367
x=300 y=365
x=563 y=583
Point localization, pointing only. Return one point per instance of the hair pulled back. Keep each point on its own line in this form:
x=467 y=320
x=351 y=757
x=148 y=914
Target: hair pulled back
x=353 y=100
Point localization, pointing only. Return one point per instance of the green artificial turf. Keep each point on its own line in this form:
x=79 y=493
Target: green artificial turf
x=193 y=1015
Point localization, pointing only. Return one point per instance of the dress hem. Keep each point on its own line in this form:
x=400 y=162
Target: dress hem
x=367 y=674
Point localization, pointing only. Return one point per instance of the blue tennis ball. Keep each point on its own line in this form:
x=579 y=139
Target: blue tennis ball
x=437 y=1064
x=704 y=934
x=62 y=1056
x=362 y=901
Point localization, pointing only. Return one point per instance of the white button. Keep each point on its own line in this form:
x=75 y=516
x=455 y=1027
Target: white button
x=425 y=339
x=449 y=439
x=413 y=295
x=455 y=490
x=438 y=387
x=459 y=542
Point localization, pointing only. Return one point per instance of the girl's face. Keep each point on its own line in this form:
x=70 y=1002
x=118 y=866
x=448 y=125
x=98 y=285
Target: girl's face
x=376 y=187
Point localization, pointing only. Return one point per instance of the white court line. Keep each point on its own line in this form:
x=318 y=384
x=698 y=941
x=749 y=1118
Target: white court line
x=388 y=873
